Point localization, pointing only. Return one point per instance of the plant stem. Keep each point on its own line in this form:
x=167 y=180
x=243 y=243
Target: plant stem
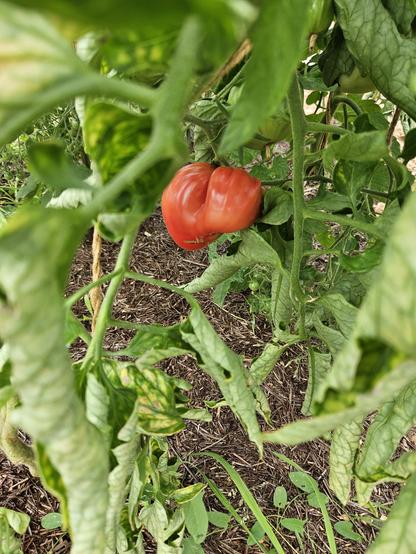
x=203 y=123
x=376 y=193
x=369 y=228
x=298 y=133
x=96 y=346
x=122 y=324
x=77 y=295
x=393 y=124
x=315 y=253
x=349 y=102
x=86 y=83
x=136 y=167
x=313 y=127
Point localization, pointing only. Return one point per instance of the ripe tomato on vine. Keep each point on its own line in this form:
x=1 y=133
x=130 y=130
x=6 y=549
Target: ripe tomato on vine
x=202 y=202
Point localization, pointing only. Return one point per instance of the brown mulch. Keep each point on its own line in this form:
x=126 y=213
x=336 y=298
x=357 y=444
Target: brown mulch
x=156 y=255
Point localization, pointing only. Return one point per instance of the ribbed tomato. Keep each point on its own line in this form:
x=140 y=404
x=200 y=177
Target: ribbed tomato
x=202 y=201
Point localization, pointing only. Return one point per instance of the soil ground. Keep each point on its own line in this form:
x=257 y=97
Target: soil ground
x=157 y=256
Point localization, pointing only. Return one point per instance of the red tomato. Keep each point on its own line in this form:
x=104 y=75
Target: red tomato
x=202 y=201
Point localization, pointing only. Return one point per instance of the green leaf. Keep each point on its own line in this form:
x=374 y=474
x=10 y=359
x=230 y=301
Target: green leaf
x=51 y=480
x=221 y=290
x=219 y=519
x=257 y=534
x=281 y=306
x=186 y=494
x=403 y=13
x=227 y=369
x=126 y=454
x=363 y=261
x=9 y=543
x=409 y=148
x=114 y=135
x=330 y=336
x=50 y=164
x=37 y=69
x=302 y=481
x=73 y=328
x=314 y=486
x=350 y=177
x=393 y=421
x=196 y=518
x=329 y=201
x=362 y=147
x=152 y=343
x=265 y=363
x=219 y=361
x=309 y=429
x=97 y=403
x=248 y=499
x=280 y=497
x=345 y=529
x=278 y=206
x=293 y=524
x=53 y=520
x=344 y=313
x=18 y=521
x=386 y=314
x=318 y=365
x=167 y=530
x=6 y=393
x=386 y=56
x=335 y=60
x=345 y=441
x=278 y=43
x=156 y=404
x=314 y=502
x=191 y=547
x=252 y=250
x=32 y=317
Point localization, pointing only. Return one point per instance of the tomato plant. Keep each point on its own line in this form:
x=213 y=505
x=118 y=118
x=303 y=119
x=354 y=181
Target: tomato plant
x=334 y=240
x=202 y=201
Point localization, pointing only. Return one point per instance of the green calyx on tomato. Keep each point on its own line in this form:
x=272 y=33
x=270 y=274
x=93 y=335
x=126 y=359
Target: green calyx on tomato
x=355 y=82
x=202 y=202
x=321 y=13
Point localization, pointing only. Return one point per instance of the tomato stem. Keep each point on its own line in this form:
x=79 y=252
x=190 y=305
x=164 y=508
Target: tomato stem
x=298 y=133
x=368 y=228
x=313 y=127
x=136 y=167
x=347 y=101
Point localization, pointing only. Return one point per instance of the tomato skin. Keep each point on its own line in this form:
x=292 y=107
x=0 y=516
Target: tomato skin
x=202 y=201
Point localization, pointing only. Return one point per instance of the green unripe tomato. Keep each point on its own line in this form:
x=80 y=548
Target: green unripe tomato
x=321 y=14
x=355 y=83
